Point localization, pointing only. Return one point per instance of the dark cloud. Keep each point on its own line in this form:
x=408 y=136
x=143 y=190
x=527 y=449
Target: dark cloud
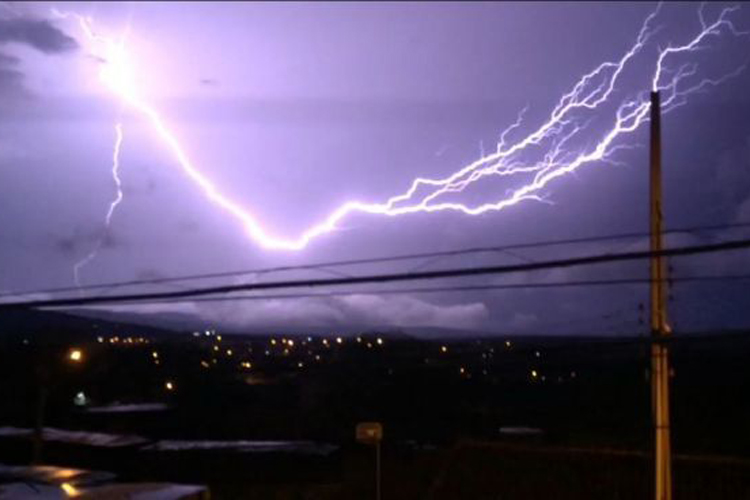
x=37 y=33
x=209 y=82
x=81 y=241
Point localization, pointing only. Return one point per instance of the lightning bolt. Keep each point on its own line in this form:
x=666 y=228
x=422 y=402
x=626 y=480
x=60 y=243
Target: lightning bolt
x=538 y=158
x=112 y=206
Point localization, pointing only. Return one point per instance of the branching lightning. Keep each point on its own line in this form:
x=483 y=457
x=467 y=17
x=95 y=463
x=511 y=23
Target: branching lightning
x=112 y=206
x=537 y=159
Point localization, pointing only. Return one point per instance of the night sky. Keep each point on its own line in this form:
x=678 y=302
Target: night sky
x=292 y=110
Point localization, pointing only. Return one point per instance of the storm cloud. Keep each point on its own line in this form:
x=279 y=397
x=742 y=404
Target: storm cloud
x=40 y=34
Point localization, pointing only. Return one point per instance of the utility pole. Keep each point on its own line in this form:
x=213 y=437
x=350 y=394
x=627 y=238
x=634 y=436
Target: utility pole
x=660 y=329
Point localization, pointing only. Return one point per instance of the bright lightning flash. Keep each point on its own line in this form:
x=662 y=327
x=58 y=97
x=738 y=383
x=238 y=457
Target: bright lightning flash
x=547 y=153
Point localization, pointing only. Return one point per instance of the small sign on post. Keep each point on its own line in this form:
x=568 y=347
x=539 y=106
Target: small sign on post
x=372 y=433
x=369 y=432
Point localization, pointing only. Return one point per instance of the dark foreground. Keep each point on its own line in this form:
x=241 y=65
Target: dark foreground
x=471 y=418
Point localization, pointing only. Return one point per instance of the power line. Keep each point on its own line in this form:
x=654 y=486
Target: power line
x=374 y=260
x=388 y=278
x=460 y=288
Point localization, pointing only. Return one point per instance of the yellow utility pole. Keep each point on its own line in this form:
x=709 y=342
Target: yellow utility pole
x=660 y=330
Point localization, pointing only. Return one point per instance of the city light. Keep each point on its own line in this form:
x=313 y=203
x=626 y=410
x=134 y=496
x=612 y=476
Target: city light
x=69 y=489
x=80 y=399
x=75 y=355
x=443 y=349
x=169 y=385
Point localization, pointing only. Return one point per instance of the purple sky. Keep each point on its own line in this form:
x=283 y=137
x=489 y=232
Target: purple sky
x=292 y=109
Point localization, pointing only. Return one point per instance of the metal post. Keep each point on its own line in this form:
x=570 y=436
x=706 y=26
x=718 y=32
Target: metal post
x=659 y=327
x=377 y=470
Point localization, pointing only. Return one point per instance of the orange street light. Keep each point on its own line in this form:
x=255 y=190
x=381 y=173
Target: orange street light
x=75 y=355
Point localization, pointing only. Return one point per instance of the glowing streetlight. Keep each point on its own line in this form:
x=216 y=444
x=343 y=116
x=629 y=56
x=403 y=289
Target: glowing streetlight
x=69 y=490
x=75 y=355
